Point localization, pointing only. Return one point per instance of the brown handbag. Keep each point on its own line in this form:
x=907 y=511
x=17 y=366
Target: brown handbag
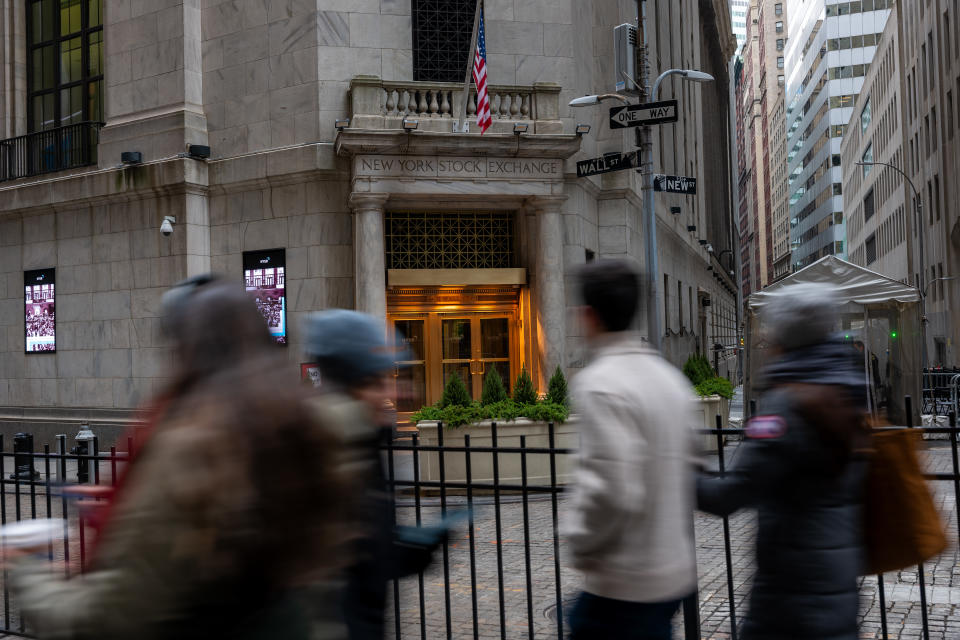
x=903 y=527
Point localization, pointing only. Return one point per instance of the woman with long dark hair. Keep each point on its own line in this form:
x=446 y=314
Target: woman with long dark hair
x=228 y=508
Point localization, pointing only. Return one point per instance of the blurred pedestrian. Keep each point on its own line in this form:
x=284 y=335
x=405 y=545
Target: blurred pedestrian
x=803 y=466
x=356 y=366
x=631 y=527
x=228 y=509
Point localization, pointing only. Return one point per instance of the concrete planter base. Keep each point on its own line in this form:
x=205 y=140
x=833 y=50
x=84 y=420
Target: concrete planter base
x=708 y=407
x=566 y=435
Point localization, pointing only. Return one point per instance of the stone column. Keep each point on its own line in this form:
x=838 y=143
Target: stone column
x=369 y=269
x=551 y=308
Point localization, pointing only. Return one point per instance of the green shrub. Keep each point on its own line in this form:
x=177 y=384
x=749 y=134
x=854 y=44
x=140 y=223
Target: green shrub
x=455 y=393
x=503 y=411
x=523 y=391
x=493 y=389
x=546 y=412
x=557 y=389
x=697 y=369
x=715 y=386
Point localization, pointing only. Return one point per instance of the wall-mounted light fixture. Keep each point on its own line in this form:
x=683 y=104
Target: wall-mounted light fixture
x=198 y=151
x=520 y=127
x=582 y=129
x=691 y=227
x=410 y=124
x=131 y=157
x=675 y=210
x=341 y=123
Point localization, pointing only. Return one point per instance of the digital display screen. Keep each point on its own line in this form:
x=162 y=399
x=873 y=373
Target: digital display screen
x=40 y=318
x=264 y=277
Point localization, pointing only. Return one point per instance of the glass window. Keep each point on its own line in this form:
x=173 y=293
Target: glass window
x=65 y=79
x=778 y=8
x=865 y=117
x=779 y=27
x=779 y=62
x=867 y=5
x=442 y=30
x=867 y=158
x=779 y=44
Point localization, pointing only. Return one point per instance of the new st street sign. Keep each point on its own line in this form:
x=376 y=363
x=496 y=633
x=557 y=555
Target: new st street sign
x=638 y=115
x=606 y=164
x=675 y=184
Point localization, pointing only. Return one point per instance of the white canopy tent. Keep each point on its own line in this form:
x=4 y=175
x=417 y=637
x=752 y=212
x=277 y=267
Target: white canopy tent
x=878 y=315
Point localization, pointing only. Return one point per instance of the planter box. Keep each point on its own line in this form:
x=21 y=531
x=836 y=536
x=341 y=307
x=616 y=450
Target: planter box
x=566 y=436
x=708 y=407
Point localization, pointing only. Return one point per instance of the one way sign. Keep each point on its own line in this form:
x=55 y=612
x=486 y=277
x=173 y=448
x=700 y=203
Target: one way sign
x=638 y=115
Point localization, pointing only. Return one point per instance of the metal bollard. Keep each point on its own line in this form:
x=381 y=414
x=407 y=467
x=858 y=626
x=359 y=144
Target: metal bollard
x=23 y=458
x=84 y=440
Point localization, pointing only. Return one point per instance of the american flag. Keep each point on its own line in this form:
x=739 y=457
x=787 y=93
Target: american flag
x=480 y=79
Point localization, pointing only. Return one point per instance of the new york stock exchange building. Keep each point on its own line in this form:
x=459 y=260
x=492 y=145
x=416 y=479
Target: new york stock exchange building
x=309 y=149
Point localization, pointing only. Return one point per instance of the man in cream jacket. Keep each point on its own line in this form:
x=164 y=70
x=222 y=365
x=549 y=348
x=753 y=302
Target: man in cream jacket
x=630 y=528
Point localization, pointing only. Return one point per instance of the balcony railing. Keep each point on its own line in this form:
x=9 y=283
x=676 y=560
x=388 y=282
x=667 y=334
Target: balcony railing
x=68 y=147
x=381 y=104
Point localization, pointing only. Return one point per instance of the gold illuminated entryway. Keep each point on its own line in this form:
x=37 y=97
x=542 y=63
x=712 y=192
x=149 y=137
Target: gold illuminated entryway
x=466 y=332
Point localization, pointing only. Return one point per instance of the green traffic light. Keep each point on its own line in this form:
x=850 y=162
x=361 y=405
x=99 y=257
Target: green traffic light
x=893 y=334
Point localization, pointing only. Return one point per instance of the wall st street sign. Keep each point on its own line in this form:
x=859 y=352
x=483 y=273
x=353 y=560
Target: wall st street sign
x=675 y=184
x=607 y=163
x=638 y=115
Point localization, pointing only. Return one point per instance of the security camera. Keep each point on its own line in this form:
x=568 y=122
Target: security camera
x=166 y=227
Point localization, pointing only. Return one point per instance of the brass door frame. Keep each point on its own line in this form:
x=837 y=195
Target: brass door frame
x=433 y=345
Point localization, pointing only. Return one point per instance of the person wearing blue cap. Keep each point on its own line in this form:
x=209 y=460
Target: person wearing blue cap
x=355 y=362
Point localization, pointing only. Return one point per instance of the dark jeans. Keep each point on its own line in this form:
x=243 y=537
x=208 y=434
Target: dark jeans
x=597 y=618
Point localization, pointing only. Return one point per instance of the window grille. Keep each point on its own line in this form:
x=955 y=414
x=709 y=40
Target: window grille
x=442 y=30
x=449 y=240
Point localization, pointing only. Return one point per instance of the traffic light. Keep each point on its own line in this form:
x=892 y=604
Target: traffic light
x=893 y=334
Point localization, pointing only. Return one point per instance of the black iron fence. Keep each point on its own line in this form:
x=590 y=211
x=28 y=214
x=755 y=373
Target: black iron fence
x=504 y=576
x=534 y=579
x=67 y=147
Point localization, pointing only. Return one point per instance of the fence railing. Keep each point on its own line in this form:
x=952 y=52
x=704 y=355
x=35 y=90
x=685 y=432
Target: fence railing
x=504 y=576
x=67 y=147
x=941 y=391
x=453 y=599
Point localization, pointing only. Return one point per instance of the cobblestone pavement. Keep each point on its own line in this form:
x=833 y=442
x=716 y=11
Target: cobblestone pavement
x=536 y=616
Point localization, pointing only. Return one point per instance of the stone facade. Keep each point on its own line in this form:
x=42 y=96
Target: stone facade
x=263 y=82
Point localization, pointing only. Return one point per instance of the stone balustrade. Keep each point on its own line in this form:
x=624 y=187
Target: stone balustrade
x=379 y=104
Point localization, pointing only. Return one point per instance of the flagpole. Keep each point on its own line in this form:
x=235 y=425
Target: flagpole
x=469 y=75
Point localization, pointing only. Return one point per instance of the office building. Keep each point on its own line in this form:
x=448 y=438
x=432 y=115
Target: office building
x=906 y=115
x=828 y=54
x=309 y=151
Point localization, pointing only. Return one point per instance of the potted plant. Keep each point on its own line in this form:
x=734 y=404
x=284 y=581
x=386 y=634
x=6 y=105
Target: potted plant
x=524 y=414
x=713 y=396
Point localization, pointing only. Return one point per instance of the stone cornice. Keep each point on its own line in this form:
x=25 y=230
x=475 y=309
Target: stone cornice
x=351 y=142
x=171 y=176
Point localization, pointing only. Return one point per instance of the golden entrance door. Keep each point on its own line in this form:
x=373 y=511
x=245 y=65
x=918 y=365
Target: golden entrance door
x=445 y=341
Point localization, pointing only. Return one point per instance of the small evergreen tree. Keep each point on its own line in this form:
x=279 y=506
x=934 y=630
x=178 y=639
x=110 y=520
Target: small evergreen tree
x=455 y=393
x=697 y=369
x=493 y=390
x=523 y=391
x=557 y=389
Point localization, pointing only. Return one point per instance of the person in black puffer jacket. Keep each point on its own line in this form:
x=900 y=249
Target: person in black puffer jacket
x=803 y=466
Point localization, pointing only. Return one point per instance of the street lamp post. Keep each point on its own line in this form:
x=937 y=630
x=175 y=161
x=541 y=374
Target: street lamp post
x=918 y=203
x=652 y=276
x=651 y=283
